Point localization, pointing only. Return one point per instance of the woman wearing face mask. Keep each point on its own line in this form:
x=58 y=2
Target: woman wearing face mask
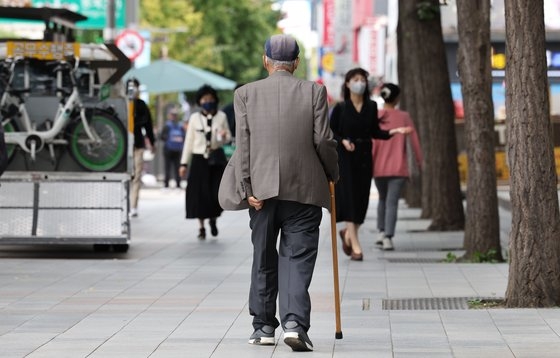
x=208 y=131
x=354 y=123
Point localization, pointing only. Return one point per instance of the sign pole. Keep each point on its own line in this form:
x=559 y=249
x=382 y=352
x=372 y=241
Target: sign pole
x=109 y=30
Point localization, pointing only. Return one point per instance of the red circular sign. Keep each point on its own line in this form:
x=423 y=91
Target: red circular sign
x=131 y=43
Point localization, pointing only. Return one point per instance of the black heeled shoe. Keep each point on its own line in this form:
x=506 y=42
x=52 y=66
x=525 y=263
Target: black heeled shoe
x=213 y=227
x=356 y=257
x=345 y=247
x=201 y=233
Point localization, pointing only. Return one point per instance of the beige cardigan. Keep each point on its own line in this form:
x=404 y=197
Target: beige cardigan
x=195 y=141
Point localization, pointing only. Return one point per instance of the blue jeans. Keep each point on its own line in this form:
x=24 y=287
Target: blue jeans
x=389 y=189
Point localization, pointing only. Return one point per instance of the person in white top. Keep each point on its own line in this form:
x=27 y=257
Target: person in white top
x=204 y=156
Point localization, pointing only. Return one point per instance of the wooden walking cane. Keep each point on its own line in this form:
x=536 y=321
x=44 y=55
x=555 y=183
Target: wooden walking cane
x=338 y=333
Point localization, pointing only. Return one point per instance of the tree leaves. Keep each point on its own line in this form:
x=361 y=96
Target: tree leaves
x=223 y=36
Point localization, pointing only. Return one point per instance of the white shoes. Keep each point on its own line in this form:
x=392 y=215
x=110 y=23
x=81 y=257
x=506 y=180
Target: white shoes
x=133 y=213
x=384 y=243
x=380 y=237
x=387 y=244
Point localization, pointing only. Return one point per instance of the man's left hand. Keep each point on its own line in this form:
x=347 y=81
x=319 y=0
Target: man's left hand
x=255 y=203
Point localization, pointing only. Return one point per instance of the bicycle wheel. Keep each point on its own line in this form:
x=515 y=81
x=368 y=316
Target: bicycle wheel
x=10 y=127
x=105 y=155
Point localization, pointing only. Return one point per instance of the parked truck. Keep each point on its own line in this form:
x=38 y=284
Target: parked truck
x=65 y=114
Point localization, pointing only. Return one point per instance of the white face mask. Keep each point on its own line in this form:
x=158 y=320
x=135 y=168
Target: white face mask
x=357 y=87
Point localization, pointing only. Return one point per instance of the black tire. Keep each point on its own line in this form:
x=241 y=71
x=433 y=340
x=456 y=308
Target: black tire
x=98 y=157
x=101 y=247
x=121 y=248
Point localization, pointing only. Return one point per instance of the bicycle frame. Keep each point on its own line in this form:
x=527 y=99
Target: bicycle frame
x=32 y=140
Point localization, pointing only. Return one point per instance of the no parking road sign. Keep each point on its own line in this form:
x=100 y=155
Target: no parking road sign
x=131 y=43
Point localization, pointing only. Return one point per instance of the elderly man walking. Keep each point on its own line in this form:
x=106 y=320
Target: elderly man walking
x=284 y=159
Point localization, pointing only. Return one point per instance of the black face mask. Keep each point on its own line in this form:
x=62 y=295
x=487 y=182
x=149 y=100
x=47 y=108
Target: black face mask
x=209 y=106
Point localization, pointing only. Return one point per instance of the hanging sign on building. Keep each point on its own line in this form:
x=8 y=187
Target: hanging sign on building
x=95 y=10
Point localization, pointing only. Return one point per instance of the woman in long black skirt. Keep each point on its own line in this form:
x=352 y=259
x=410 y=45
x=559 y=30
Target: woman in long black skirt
x=203 y=154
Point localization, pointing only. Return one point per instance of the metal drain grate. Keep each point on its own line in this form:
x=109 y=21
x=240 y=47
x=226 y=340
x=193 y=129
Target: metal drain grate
x=434 y=303
x=414 y=260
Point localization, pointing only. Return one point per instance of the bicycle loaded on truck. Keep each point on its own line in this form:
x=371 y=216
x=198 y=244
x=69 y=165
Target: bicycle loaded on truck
x=94 y=137
x=67 y=122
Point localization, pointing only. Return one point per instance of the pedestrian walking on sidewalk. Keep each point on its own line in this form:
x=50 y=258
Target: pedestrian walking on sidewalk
x=207 y=133
x=390 y=164
x=354 y=123
x=173 y=135
x=3 y=151
x=230 y=113
x=143 y=130
x=285 y=157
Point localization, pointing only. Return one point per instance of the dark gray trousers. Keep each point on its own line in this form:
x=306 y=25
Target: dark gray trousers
x=284 y=273
x=389 y=189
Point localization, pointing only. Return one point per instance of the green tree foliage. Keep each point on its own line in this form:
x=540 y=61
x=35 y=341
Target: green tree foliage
x=239 y=29
x=177 y=26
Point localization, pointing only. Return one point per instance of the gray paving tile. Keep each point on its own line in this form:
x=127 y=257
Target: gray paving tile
x=421 y=354
x=485 y=352
x=531 y=352
x=175 y=296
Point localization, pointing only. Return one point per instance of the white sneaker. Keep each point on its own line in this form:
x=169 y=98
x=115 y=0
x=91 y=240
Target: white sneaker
x=263 y=336
x=133 y=213
x=296 y=337
x=387 y=244
x=298 y=341
x=380 y=237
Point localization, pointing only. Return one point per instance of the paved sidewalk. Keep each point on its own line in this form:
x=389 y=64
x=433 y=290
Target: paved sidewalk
x=172 y=295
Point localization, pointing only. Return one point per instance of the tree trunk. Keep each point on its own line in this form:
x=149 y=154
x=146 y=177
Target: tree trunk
x=534 y=279
x=426 y=63
x=410 y=79
x=482 y=229
x=413 y=188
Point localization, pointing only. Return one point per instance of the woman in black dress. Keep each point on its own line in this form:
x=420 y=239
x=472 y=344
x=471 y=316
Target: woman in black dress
x=207 y=133
x=354 y=123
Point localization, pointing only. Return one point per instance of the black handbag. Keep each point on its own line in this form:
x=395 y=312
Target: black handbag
x=217 y=157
